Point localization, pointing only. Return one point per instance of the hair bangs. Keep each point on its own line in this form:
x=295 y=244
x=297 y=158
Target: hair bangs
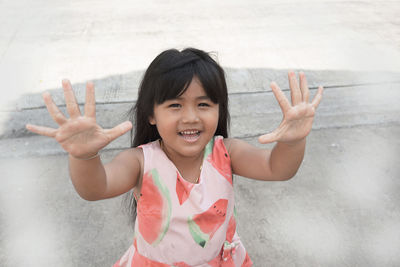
x=173 y=83
x=210 y=79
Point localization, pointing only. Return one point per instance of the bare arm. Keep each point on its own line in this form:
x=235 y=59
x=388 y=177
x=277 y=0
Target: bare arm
x=94 y=181
x=82 y=138
x=283 y=161
x=280 y=163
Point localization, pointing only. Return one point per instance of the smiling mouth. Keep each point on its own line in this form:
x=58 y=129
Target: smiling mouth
x=190 y=136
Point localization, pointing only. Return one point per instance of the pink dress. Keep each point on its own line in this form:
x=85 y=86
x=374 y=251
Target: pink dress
x=183 y=224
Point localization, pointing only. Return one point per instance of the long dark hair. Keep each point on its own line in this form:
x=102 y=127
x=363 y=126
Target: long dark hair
x=168 y=77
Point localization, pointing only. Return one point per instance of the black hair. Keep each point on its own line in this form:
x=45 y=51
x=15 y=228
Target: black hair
x=167 y=77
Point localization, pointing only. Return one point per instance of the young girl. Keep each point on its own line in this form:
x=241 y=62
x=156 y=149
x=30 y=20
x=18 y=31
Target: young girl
x=181 y=162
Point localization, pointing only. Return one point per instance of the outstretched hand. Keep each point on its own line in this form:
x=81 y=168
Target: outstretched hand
x=79 y=135
x=298 y=116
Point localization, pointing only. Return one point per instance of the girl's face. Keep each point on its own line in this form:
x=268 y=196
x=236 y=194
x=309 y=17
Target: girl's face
x=187 y=123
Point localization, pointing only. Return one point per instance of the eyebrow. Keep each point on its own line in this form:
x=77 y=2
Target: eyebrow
x=203 y=97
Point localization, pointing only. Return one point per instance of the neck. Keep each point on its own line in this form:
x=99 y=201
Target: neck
x=189 y=167
x=175 y=158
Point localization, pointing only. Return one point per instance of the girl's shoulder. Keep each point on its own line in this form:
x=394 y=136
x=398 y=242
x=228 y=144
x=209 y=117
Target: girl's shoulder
x=237 y=147
x=151 y=144
x=131 y=155
x=135 y=152
x=123 y=172
x=229 y=143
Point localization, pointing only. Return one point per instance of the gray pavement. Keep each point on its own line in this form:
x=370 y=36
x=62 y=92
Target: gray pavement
x=342 y=207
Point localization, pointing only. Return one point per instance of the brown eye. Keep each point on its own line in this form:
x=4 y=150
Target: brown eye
x=174 y=105
x=204 y=105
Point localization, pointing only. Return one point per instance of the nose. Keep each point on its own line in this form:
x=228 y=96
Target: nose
x=189 y=115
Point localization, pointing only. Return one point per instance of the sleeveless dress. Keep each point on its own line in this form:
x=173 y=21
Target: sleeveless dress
x=183 y=224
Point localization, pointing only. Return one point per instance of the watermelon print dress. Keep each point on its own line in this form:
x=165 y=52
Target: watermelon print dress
x=183 y=224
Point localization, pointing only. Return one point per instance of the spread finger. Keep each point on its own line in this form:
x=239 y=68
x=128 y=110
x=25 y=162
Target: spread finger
x=317 y=97
x=267 y=138
x=70 y=100
x=46 y=131
x=280 y=96
x=304 y=87
x=90 y=103
x=294 y=88
x=118 y=130
x=54 y=112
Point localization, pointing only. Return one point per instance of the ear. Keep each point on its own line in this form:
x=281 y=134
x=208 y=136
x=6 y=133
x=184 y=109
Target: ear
x=152 y=121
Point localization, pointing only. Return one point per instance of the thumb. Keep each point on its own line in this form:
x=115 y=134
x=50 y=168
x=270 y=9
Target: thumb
x=267 y=138
x=118 y=130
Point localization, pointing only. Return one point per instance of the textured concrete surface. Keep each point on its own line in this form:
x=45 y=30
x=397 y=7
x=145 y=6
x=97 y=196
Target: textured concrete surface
x=341 y=209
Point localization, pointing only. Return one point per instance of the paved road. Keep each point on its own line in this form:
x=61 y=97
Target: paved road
x=341 y=209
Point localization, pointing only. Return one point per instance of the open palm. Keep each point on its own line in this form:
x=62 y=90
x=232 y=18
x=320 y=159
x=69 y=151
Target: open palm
x=298 y=116
x=79 y=135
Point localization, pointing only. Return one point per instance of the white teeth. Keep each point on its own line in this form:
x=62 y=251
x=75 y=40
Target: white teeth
x=189 y=132
x=190 y=136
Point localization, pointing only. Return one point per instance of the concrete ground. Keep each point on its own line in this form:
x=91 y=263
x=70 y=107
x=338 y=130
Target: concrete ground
x=342 y=207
